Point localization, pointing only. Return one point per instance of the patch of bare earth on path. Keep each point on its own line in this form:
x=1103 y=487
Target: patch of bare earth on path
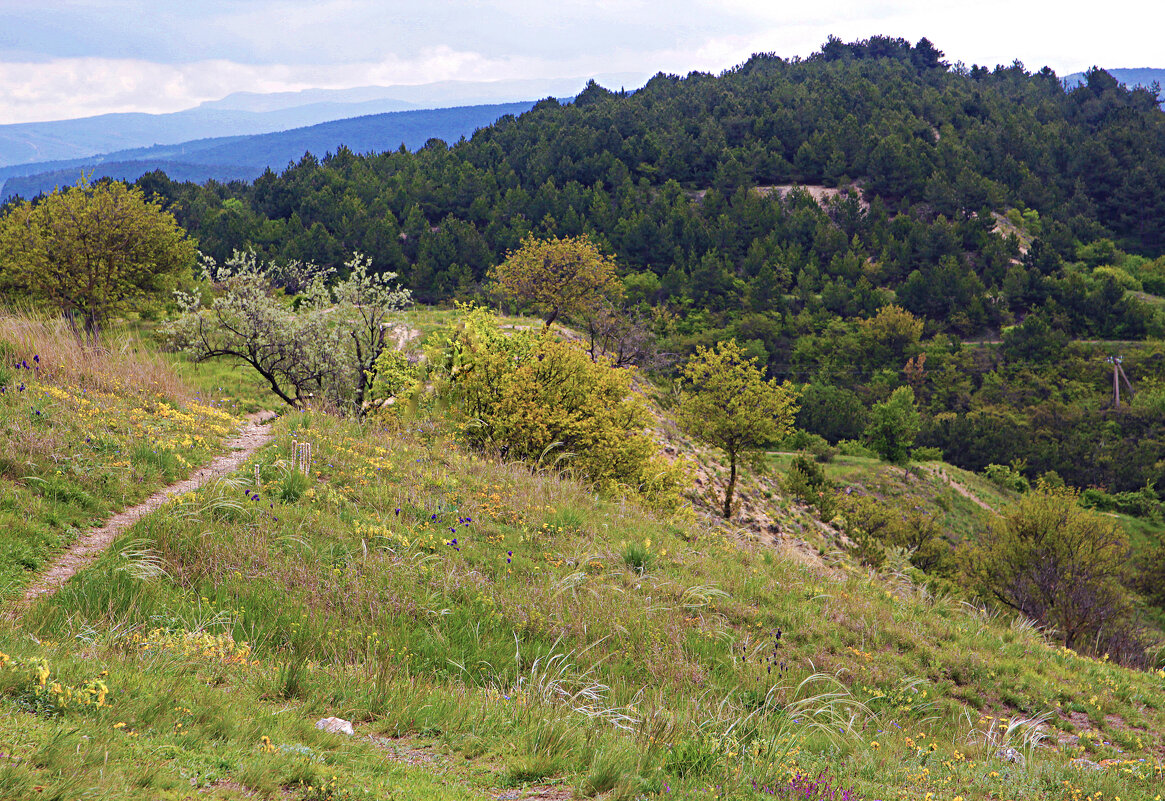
x=959 y=488
x=406 y=752
x=400 y=750
x=88 y=547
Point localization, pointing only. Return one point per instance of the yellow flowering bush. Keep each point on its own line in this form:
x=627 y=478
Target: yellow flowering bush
x=545 y=402
x=39 y=691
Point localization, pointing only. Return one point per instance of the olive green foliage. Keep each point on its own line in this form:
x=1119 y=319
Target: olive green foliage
x=543 y=401
x=561 y=277
x=874 y=528
x=1059 y=564
x=726 y=402
x=394 y=379
x=91 y=251
x=891 y=336
x=893 y=426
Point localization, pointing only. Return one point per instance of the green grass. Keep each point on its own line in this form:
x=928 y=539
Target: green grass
x=499 y=628
x=236 y=388
x=72 y=453
x=542 y=646
x=929 y=487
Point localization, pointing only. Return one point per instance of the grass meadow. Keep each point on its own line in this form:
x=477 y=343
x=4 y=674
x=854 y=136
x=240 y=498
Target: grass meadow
x=498 y=633
x=85 y=433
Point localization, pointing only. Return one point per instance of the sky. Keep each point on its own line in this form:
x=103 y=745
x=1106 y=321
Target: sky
x=73 y=58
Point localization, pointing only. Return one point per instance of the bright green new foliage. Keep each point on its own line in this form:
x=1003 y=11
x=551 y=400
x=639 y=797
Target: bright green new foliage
x=726 y=402
x=894 y=425
x=91 y=251
x=559 y=276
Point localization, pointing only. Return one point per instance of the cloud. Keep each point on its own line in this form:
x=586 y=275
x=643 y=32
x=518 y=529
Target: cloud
x=70 y=58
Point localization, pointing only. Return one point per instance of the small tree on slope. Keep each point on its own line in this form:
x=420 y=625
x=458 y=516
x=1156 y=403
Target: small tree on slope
x=726 y=402
x=328 y=345
x=559 y=276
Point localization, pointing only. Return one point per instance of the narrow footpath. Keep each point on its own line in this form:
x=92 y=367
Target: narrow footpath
x=255 y=434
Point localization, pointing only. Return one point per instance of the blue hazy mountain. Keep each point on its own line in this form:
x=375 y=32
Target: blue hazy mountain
x=245 y=157
x=1141 y=76
x=244 y=114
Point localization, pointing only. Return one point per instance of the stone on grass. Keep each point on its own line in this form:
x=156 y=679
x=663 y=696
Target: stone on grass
x=336 y=726
x=1009 y=754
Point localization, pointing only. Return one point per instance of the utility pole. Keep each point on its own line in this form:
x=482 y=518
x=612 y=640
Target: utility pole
x=1118 y=373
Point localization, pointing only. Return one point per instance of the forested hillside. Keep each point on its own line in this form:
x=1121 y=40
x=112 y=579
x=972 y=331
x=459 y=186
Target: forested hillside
x=962 y=204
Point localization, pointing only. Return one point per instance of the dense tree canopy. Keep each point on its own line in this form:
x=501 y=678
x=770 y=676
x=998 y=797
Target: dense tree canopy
x=91 y=250
x=978 y=203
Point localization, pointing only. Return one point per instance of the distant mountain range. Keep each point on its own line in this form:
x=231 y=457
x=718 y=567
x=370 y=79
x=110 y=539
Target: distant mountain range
x=228 y=158
x=245 y=113
x=1141 y=76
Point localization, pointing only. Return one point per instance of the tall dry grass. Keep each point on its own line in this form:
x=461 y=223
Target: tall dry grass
x=120 y=362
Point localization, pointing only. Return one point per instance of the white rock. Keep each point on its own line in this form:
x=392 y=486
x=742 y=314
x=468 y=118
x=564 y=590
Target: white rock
x=1009 y=754
x=336 y=726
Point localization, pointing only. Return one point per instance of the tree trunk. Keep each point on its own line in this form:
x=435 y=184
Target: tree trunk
x=731 y=485
x=92 y=328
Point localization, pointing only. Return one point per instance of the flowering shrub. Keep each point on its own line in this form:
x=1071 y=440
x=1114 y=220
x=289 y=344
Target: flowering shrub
x=325 y=344
x=32 y=682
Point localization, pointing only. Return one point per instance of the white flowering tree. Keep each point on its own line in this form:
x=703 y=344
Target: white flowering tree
x=323 y=342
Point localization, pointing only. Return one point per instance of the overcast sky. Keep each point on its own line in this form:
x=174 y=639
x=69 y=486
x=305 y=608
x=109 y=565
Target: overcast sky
x=74 y=58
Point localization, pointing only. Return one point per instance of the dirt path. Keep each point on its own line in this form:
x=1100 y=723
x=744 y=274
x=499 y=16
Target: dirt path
x=959 y=488
x=255 y=434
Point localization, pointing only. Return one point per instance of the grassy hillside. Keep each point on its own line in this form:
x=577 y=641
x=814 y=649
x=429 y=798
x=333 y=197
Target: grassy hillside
x=84 y=434
x=497 y=633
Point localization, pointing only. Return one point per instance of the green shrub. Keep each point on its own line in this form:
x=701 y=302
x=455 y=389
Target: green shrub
x=1007 y=477
x=1143 y=503
x=805 y=480
x=1062 y=566
x=823 y=451
x=393 y=376
x=874 y=529
x=852 y=447
x=927 y=454
x=543 y=401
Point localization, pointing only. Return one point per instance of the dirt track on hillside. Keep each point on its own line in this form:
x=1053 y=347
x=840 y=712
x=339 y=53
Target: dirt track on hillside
x=88 y=547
